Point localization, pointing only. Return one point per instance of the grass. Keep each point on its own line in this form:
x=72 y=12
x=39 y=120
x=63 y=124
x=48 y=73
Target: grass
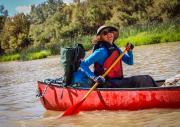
x=150 y=33
x=27 y=56
x=38 y=55
x=10 y=57
x=33 y=53
x=143 y=34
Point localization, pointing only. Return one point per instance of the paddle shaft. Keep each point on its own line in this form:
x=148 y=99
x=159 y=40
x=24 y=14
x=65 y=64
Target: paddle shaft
x=76 y=108
x=108 y=70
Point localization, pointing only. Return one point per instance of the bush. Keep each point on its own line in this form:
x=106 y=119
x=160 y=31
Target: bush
x=10 y=57
x=54 y=48
x=38 y=55
x=86 y=41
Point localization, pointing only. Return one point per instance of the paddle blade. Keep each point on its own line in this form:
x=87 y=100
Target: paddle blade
x=74 y=109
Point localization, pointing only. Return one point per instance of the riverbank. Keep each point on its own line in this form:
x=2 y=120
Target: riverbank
x=143 y=34
x=36 y=55
x=25 y=56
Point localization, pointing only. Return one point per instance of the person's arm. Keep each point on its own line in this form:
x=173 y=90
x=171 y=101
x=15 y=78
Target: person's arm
x=97 y=55
x=128 y=58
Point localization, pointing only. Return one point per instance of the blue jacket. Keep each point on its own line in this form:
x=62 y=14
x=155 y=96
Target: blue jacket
x=99 y=55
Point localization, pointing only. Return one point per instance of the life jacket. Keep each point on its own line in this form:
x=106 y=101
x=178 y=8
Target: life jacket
x=113 y=52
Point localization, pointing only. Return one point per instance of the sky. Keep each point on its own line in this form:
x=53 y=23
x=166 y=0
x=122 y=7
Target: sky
x=17 y=6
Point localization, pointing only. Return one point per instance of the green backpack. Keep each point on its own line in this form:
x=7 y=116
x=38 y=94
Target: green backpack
x=70 y=59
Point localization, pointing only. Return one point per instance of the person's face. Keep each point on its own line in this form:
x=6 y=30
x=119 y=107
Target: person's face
x=107 y=35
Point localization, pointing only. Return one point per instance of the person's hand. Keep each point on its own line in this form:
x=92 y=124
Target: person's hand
x=129 y=46
x=99 y=79
x=95 y=39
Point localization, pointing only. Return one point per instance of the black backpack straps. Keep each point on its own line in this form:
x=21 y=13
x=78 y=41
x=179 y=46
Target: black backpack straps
x=81 y=51
x=70 y=59
x=78 y=55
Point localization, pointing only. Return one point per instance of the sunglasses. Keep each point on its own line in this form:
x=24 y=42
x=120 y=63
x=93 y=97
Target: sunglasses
x=105 y=32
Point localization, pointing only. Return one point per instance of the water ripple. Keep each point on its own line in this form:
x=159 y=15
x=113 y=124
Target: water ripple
x=20 y=107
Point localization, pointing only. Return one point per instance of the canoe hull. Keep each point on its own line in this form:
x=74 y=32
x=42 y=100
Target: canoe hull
x=59 y=99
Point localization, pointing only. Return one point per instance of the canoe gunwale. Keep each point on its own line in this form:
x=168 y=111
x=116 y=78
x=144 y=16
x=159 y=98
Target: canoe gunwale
x=59 y=98
x=117 y=89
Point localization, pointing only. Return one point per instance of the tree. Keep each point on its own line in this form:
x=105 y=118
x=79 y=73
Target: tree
x=41 y=12
x=3 y=11
x=127 y=13
x=15 y=33
x=3 y=16
x=77 y=1
x=163 y=10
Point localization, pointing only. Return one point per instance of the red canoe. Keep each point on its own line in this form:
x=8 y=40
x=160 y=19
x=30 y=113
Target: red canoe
x=56 y=97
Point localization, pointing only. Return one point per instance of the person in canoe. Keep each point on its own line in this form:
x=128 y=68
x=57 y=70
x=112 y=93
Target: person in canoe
x=104 y=54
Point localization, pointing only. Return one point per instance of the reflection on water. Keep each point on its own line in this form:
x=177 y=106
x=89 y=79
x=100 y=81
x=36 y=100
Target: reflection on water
x=19 y=106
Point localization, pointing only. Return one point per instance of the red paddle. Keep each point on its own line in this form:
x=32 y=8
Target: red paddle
x=75 y=109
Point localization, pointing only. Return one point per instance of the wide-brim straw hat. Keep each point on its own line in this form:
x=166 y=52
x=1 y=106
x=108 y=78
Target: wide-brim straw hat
x=101 y=28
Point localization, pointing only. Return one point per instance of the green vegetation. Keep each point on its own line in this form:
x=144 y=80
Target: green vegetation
x=151 y=33
x=10 y=57
x=34 y=53
x=30 y=56
x=38 y=55
x=54 y=24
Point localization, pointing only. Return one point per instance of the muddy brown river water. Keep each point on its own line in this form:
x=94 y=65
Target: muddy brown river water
x=19 y=106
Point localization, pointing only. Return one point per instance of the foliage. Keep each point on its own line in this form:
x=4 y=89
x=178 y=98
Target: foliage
x=73 y=21
x=54 y=24
x=151 y=33
x=10 y=57
x=163 y=10
x=38 y=55
x=3 y=11
x=3 y=16
x=15 y=35
x=86 y=41
x=41 y=12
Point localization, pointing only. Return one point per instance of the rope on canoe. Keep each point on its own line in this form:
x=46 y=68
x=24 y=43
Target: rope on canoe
x=43 y=93
x=58 y=81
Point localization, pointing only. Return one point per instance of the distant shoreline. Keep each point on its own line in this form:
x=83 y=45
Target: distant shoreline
x=44 y=54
